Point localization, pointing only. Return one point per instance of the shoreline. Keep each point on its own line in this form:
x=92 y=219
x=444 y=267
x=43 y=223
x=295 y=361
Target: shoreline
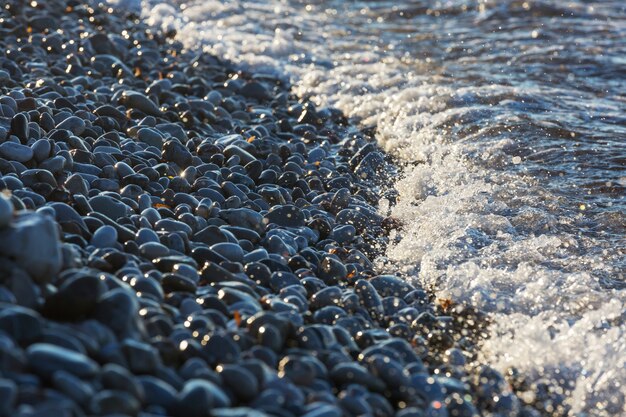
x=214 y=233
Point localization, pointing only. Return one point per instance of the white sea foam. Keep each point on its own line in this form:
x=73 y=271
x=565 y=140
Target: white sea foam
x=473 y=231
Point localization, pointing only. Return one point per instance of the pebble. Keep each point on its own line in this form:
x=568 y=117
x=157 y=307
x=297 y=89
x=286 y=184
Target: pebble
x=109 y=206
x=16 y=152
x=74 y=124
x=32 y=236
x=104 y=237
x=45 y=359
x=76 y=298
x=287 y=215
x=8 y=396
x=230 y=251
x=198 y=397
x=6 y=211
x=139 y=101
x=22 y=324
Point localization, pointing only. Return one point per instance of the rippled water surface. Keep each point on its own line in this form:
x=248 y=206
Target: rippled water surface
x=509 y=118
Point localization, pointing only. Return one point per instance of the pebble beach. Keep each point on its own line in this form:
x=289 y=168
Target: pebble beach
x=183 y=237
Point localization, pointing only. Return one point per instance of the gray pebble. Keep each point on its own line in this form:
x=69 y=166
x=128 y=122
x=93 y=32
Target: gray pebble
x=46 y=359
x=6 y=211
x=16 y=152
x=104 y=237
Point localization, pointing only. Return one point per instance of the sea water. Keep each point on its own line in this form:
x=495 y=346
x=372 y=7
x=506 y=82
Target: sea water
x=509 y=120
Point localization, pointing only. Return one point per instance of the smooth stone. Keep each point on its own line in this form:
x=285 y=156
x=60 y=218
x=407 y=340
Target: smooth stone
x=153 y=250
x=361 y=219
x=245 y=218
x=65 y=213
x=241 y=412
x=150 y=137
x=8 y=396
x=19 y=126
x=145 y=235
x=123 y=169
x=325 y=410
x=158 y=392
x=114 y=402
x=32 y=241
x=199 y=396
x=343 y=233
x=391 y=286
x=140 y=102
x=104 y=237
x=244 y=156
x=72 y=386
x=240 y=381
x=178 y=283
x=141 y=357
x=151 y=214
x=55 y=165
x=6 y=211
x=370 y=298
x=255 y=90
x=187 y=271
x=117 y=377
x=41 y=150
x=15 y=152
x=371 y=167
x=45 y=359
x=231 y=251
x=118 y=309
x=170 y=225
x=74 y=124
x=174 y=151
x=31 y=177
x=353 y=373
x=210 y=235
x=109 y=206
x=280 y=280
x=256 y=255
x=22 y=324
x=287 y=216
x=173 y=130
x=76 y=298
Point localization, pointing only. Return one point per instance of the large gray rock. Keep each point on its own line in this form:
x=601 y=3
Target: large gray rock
x=32 y=241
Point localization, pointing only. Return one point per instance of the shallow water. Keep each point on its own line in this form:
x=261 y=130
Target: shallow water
x=510 y=119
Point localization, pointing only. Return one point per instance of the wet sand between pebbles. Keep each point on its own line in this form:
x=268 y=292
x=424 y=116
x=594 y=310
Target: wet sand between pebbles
x=181 y=238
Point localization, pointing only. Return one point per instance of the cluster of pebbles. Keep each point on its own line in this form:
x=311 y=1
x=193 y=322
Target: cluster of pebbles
x=178 y=238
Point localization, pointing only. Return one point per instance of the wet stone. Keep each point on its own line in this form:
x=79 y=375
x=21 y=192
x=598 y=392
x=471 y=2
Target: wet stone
x=198 y=397
x=8 y=396
x=32 y=241
x=74 y=124
x=135 y=100
x=104 y=237
x=76 y=298
x=230 y=251
x=288 y=216
x=22 y=324
x=109 y=206
x=114 y=402
x=45 y=359
x=16 y=152
x=6 y=211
